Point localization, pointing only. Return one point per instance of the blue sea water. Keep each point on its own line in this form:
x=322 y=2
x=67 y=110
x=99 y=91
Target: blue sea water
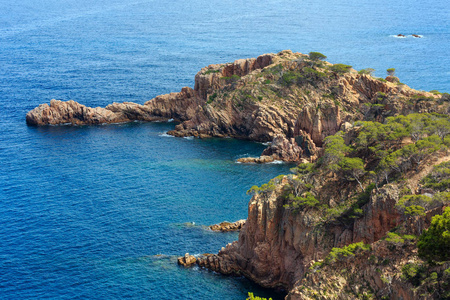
x=101 y=212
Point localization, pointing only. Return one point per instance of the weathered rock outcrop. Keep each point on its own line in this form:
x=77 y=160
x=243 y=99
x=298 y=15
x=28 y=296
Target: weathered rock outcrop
x=187 y=260
x=282 y=148
x=260 y=99
x=228 y=226
x=59 y=112
x=179 y=106
x=279 y=245
x=263 y=159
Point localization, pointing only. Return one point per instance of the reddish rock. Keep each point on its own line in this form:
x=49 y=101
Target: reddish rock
x=228 y=226
x=255 y=103
x=263 y=159
x=187 y=260
x=285 y=149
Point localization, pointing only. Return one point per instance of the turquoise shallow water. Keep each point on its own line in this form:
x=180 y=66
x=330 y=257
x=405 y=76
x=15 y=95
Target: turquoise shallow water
x=85 y=210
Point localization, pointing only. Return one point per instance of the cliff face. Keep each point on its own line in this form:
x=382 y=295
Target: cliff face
x=278 y=246
x=283 y=95
x=295 y=103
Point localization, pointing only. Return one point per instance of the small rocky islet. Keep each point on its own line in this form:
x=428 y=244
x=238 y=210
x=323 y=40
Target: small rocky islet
x=371 y=187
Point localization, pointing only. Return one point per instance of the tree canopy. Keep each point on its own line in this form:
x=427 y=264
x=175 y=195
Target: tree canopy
x=434 y=243
x=316 y=56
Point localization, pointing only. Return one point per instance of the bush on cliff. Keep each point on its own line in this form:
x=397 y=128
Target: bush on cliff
x=316 y=56
x=353 y=168
x=290 y=77
x=299 y=202
x=434 y=243
x=391 y=72
x=266 y=187
x=251 y=296
x=349 y=250
x=303 y=168
x=340 y=68
x=368 y=71
x=439 y=178
x=335 y=150
x=414 y=205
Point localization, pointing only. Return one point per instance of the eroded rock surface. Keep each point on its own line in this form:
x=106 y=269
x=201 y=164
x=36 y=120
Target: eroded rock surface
x=279 y=245
x=281 y=98
x=228 y=226
x=187 y=260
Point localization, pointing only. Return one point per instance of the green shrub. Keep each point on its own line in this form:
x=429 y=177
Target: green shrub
x=251 y=296
x=303 y=168
x=414 y=201
x=231 y=79
x=395 y=239
x=315 y=266
x=212 y=98
x=211 y=71
x=266 y=187
x=439 y=177
x=290 y=77
x=316 y=56
x=409 y=237
x=368 y=71
x=390 y=71
x=309 y=75
x=434 y=243
x=350 y=250
x=340 y=68
x=413 y=273
x=415 y=210
x=299 y=202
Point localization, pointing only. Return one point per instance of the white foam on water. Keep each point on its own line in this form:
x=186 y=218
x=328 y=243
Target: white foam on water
x=166 y=135
x=277 y=162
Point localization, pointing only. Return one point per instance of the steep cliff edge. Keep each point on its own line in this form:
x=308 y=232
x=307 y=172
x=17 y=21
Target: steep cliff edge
x=328 y=233
x=287 y=96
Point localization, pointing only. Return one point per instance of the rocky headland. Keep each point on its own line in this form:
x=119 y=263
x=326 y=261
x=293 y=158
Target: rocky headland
x=343 y=243
x=287 y=98
x=359 y=216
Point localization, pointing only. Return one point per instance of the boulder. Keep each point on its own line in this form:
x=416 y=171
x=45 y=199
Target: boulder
x=263 y=159
x=187 y=260
x=228 y=226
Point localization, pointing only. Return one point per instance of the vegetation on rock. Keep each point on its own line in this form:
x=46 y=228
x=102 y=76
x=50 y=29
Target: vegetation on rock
x=434 y=243
x=251 y=296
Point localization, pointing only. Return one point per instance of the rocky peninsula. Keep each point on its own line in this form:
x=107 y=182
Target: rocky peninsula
x=287 y=99
x=364 y=214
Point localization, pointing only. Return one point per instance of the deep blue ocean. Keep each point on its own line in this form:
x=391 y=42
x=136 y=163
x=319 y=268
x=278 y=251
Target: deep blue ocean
x=101 y=212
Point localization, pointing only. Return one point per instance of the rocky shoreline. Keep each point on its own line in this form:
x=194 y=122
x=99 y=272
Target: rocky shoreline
x=275 y=98
x=228 y=226
x=301 y=228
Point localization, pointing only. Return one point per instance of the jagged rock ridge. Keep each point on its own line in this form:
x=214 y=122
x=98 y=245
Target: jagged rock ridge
x=281 y=97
